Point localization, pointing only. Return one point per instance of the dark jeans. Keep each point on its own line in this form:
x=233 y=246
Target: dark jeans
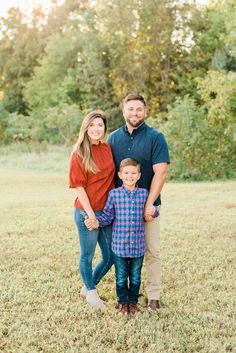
x=88 y=242
x=128 y=268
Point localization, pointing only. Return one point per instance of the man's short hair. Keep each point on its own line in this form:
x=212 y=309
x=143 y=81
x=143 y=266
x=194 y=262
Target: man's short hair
x=134 y=97
x=129 y=161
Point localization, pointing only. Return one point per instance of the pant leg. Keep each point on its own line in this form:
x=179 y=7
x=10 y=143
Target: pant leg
x=122 y=272
x=107 y=260
x=153 y=259
x=135 y=268
x=88 y=241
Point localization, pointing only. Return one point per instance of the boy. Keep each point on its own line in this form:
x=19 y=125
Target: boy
x=125 y=208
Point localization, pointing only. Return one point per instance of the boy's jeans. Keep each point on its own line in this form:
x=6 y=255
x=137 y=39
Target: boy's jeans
x=128 y=268
x=88 y=241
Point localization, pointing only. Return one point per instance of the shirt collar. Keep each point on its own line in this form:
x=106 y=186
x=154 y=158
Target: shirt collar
x=96 y=144
x=135 y=131
x=129 y=192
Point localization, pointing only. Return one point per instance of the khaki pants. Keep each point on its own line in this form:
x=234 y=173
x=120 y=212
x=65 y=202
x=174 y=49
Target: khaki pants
x=153 y=259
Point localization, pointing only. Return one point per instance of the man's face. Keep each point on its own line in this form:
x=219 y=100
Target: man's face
x=134 y=113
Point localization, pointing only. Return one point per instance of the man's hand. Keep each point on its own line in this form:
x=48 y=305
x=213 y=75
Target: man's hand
x=158 y=180
x=91 y=223
x=148 y=212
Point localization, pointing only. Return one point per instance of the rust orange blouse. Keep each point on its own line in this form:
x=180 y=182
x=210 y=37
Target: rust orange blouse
x=96 y=185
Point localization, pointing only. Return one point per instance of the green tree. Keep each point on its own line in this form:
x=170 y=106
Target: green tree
x=202 y=139
x=74 y=69
x=51 y=84
x=64 y=122
x=20 y=46
x=207 y=29
x=20 y=128
x=138 y=37
x=3 y=121
x=218 y=92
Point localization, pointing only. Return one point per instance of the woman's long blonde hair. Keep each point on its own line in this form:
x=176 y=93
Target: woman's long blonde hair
x=83 y=145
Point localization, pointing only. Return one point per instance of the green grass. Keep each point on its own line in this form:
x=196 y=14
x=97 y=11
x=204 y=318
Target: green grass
x=42 y=157
x=41 y=310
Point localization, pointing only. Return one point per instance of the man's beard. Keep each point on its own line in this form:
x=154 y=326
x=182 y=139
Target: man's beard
x=135 y=125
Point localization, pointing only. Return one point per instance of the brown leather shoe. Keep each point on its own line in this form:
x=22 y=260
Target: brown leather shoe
x=133 y=308
x=153 y=304
x=123 y=309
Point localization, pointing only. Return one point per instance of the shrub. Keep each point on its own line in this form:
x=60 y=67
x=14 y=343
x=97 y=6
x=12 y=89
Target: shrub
x=201 y=139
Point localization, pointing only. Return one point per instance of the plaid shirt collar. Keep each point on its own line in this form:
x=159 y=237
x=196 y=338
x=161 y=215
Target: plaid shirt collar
x=129 y=192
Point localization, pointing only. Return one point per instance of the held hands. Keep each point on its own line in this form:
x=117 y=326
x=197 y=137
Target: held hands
x=148 y=212
x=91 y=223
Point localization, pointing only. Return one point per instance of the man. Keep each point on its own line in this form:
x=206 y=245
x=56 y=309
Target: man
x=148 y=146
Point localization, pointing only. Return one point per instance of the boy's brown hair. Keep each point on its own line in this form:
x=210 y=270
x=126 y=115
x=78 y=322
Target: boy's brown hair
x=129 y=161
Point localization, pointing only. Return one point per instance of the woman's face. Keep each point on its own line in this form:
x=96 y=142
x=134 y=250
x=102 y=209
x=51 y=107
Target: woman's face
x=96 y=130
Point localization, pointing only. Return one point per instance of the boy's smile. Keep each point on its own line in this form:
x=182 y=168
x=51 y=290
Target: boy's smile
x=129 y=175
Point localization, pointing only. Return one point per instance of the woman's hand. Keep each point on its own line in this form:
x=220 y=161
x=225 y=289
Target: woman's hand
x=91 y=223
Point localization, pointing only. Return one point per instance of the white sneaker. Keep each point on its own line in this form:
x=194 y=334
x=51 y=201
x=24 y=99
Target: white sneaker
x=94 y=300
x=83 y=292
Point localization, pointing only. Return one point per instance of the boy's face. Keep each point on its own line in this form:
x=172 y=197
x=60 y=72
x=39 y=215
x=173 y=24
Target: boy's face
x=129 y=175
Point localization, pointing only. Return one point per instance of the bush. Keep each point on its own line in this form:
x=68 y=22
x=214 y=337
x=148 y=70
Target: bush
x=184 y=131
x=57 y=125
x=3 y=121
x=201 y=139
x=18 y=128
x=62 y=123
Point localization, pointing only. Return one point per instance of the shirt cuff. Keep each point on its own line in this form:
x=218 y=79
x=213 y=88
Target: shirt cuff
x=156 y=213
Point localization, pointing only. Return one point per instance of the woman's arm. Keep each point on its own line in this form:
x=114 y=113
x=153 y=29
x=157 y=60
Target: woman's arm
x=106 y=218
x=84 y=200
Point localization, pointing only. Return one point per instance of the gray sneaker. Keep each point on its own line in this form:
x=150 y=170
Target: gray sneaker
x=94 y=300
x=83 y=292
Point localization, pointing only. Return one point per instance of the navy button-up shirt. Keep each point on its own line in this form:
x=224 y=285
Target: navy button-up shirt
x=147 y=145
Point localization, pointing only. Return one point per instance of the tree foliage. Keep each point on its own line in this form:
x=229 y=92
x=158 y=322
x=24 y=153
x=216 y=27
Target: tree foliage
x=87 y=55
x=20 y=47
x=203 y=138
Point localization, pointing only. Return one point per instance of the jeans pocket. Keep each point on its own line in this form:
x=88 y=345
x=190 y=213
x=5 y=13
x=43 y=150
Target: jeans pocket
x=79 y=216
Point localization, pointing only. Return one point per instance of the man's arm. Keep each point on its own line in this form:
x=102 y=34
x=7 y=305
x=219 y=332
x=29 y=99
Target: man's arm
x=158 y=180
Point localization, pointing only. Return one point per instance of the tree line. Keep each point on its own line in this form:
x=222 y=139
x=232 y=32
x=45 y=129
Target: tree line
x=86 y=55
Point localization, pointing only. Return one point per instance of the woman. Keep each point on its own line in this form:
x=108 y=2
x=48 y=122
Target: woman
x=92 y=174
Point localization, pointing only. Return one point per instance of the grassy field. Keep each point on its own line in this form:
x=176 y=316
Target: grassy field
x=41 y=310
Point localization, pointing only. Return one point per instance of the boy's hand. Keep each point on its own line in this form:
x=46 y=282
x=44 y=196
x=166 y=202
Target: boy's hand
x=91 y=223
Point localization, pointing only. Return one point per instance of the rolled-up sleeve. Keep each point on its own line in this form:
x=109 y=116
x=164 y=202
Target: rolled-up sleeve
x=77 y=173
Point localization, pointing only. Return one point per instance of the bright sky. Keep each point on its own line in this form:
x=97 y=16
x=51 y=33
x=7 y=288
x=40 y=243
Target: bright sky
x=25 y=5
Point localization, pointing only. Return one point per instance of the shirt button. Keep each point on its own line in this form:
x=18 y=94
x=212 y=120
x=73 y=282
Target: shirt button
x=131 y=138
x=132 y=232
x=128 y=149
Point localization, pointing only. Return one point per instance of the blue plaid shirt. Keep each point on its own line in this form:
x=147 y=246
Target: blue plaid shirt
x=125 y=208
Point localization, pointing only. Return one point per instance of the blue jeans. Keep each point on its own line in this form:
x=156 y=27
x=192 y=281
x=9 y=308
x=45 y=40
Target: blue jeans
x=128 y=268
x=88 y=241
